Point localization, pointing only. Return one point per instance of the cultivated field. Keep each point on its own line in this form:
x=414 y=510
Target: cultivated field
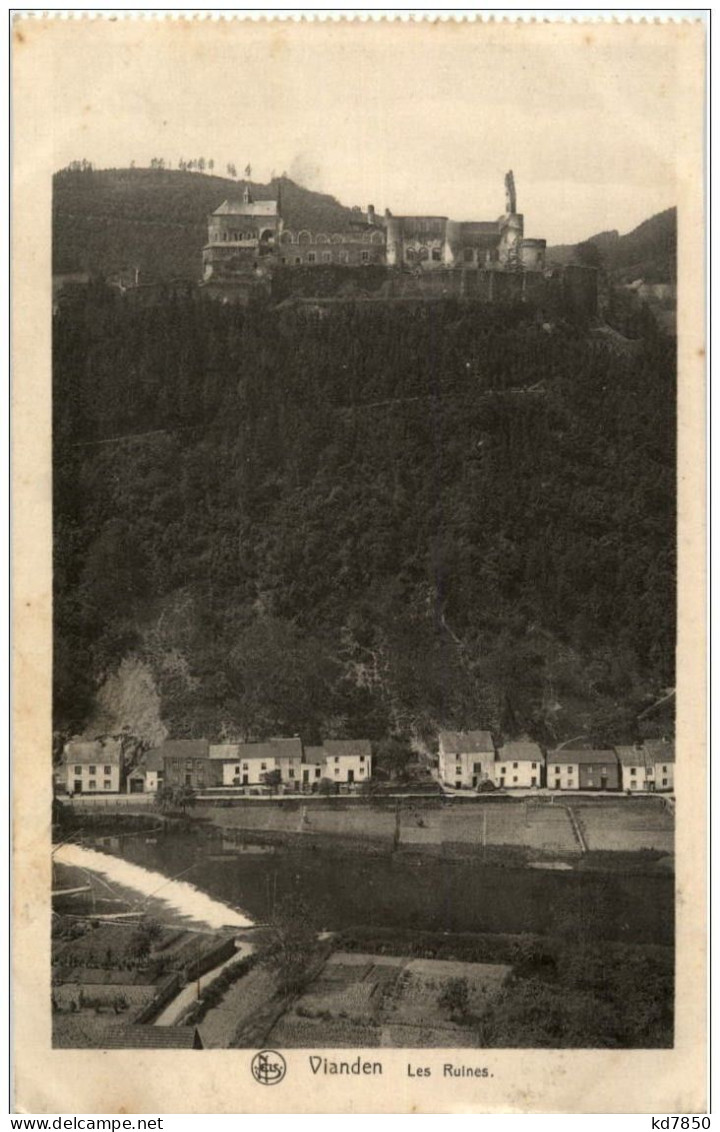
x=380 y=1000
x=627 y=825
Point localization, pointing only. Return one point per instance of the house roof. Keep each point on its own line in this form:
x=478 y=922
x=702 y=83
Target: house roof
x=660 y=750
x=466 y=742
x=632 y=756
x=94 y=751
x=151 y=1037
x=151 y=760
x=349 y=748
x=581 y=758
x=314 y=755
x=270 y=749
x=520 y=753
x=250 y=208
x=184 y=748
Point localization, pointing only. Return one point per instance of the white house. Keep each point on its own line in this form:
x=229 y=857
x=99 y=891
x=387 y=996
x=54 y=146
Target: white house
x=563 y=770
x=660 y=756
x=519 y=765
x=313 y=767
x=466 y=758
x=636 y=769
x=246 y=764
x=348 y=760
x=93 y=766
x=147 y=777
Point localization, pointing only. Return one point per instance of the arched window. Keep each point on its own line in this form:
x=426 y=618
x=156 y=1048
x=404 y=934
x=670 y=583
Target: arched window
x=423 y=254
x=322 y=238
x=304 y=237
x=287 y=238
x=410 y=255
x=377 y=238
x=336 y=238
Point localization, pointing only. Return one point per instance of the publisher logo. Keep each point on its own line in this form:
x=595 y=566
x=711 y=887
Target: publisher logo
x=268 y=1067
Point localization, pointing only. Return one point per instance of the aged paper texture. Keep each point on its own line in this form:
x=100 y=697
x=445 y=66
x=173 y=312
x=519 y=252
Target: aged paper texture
x=602 y=124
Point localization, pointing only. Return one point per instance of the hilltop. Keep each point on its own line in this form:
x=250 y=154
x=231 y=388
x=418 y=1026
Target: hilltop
x=156 y=219
x=649 y=252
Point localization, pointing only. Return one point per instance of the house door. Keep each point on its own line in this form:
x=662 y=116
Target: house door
x=305 y=775
x=603 y=782
x=351 y=776
x=136 y=785
x=501 y=782
x=533 y=781
x=245 y=780
x=77 y=786
x=188 y=779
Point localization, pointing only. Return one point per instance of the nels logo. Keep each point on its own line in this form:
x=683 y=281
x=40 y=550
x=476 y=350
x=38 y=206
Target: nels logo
x=268 y=1067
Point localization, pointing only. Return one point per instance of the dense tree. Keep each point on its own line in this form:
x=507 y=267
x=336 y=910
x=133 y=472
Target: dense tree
x=353 y=525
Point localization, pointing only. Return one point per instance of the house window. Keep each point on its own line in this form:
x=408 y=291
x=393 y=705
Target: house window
x=364 y=257
x=78 y=770
x=298 y=259
x=245 y=766
x=514 y=766
x=92 y=784
x=534 y=766
x=92 y=770
x=633 y=771
x=515 y=778
x=436 y=255
x=107 y=784
x=327 y=257
x=236 y=770
x=337 y=769
x=291 y=773
x=337 y=758
x=603 y=770
x=664 y=770
x=263 y=766
x=557 y=769
x=188 y=764
x=106 y=770
x=317 y=771
x=312 y=258
x=362 y=758
x=502 y=769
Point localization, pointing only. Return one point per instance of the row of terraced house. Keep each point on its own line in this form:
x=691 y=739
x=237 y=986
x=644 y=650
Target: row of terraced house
x=470 y=760
x=97 y=766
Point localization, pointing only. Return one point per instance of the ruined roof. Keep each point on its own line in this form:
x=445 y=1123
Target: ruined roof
x=466 y=742
x=348 y=748
x=93 y=751
x=660 y=750
x=520 y=753
x=572 y=758
x=269 y=749
x=247 y=208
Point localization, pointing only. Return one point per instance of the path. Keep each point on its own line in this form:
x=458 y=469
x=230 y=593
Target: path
x=182 y=1002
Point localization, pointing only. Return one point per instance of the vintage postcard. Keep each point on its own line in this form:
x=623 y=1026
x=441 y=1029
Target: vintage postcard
x=358 y=441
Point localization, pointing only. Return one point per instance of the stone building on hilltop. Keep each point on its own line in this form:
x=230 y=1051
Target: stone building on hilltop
x=247 y=237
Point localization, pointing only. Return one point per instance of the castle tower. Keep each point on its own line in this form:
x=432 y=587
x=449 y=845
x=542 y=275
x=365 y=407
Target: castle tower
x=511 y=227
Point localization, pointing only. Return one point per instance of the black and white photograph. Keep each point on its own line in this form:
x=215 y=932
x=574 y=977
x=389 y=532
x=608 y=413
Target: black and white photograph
x=362 y=728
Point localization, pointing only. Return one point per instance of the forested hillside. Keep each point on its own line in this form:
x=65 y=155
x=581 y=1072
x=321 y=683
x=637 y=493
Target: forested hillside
x=649 y=252
x=156 y=219
x=354 y=522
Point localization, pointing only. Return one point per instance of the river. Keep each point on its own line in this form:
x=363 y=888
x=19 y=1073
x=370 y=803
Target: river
x=223 y=883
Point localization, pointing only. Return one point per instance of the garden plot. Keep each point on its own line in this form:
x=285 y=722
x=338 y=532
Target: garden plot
x=627 y=825
x=364 y=1000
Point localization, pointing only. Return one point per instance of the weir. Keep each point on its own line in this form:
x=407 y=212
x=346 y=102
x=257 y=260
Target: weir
x=178 y=895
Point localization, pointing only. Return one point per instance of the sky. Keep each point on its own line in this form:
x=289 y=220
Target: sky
x=418 y=120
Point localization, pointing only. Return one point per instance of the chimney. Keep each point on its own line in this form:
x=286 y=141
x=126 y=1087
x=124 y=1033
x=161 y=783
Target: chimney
x=371 y=214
